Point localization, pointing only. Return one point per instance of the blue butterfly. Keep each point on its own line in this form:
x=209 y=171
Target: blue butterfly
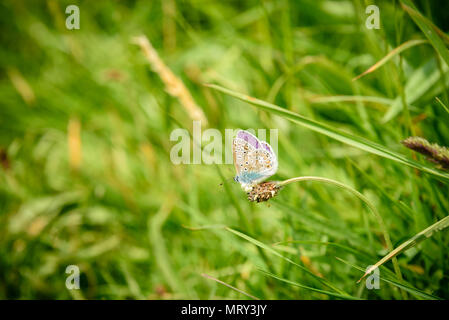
x=254 y=160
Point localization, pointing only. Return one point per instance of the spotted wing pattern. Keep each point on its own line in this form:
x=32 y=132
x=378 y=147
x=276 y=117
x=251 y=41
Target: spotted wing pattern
x=254 y=160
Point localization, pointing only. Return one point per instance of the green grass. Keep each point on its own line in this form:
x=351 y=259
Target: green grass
x=86 y=177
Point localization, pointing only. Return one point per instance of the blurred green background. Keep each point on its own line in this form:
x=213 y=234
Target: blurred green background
x=86 y=177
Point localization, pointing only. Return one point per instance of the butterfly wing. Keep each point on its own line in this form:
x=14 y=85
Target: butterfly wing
x=269 y=160
x=254 y=160
x=237 y=153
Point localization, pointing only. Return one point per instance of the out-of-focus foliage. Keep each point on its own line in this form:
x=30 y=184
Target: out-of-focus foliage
x=86 y=177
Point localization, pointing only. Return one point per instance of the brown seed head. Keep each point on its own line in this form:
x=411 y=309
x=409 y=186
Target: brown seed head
x=434 y=152
x=263 y=191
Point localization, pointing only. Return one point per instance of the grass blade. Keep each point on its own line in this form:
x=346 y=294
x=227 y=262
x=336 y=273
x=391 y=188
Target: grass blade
x=364 y=199
x=426 y=233
x=411 y=290
x=159 y=248
x=229 y=286
x=331 y=294
x=428 y=28
x=390 y=56
x=442 y=104
x=380 y=102
x=420 y=82
x=351 y=99
x=268 y=248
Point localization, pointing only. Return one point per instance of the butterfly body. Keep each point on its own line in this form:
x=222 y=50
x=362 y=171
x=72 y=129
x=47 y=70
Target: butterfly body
x=247 y=179
x=254 y=160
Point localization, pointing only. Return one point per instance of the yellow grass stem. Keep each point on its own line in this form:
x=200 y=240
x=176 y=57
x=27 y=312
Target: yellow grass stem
x=173 y=85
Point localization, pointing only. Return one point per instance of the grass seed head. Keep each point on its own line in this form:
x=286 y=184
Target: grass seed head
x=263 y=191
x=434 y=152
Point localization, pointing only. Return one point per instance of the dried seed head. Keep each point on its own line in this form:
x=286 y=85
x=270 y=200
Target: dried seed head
x=420 y=145
x=434 y=152
x=263 y=191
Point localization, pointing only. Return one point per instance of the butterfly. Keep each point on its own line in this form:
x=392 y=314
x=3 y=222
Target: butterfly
x=254 y=160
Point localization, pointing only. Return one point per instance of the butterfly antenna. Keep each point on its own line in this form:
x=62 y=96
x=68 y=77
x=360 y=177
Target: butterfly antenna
x=221 y=184
x=228 y=169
